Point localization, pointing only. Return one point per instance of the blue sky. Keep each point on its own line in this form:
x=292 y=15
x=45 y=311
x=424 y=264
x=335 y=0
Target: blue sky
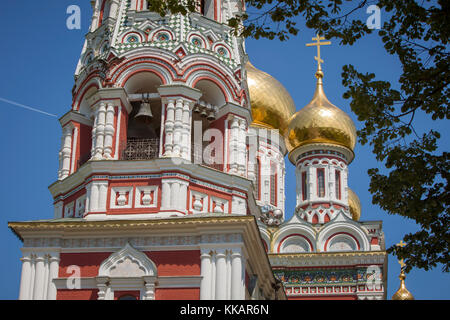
x=37 y=64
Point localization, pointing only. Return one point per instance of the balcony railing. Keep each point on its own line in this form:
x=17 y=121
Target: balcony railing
x=146 y=149
x=141 y=149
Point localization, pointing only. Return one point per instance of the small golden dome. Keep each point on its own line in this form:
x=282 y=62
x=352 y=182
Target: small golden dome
x=320 y=122
x=354 y=204
x=272 y=105
x=402 y=293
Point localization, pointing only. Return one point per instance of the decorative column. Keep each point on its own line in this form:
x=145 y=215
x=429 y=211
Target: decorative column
x=149 y=288
x=176 y=130
x=169 y=125
x=58 y=210
x=165 y=194
x=102 y=285
x=53 y=262
x=95 y=16
x=233 y=150
x=25 y=280
x=113 y=10
x=65 y=153
x=96 y=195
x=206 y=273
x=237 y=275
x=221 y=275
x=109 y=132
x=98 y=132
x=242 y=148
x=187 y=132
x=174 y=195
x=39 y=280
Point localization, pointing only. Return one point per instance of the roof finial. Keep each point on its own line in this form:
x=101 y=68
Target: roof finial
x=401 y=262
x=402 y=293
x=318 y=38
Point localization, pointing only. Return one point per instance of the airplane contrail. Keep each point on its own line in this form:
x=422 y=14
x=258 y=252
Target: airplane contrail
x=27 y=107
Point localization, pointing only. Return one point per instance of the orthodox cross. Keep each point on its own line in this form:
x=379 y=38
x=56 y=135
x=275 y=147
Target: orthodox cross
x=318 y=44
x=401 y=244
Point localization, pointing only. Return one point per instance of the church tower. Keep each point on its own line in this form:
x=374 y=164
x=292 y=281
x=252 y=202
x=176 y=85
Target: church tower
x=324 y=251
x=152 y=199
x=171 y=179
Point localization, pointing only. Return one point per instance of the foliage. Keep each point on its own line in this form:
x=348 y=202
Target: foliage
x=415 y=184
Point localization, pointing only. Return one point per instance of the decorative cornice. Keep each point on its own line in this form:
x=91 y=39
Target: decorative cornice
x=327 y=254
x=323 y=259
x=60 y=225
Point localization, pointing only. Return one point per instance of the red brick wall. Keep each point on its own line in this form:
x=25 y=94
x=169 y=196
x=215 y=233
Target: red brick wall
x=84 y=294
x=177 y=294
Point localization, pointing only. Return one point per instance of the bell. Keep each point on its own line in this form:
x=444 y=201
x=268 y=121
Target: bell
x=145 y=112
x=211 y=116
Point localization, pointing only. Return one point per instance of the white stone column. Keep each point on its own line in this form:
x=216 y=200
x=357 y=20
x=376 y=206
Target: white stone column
x=175 y=195
x=113 y=10
x=102 y=285
x=103 y=194
x=39 y=280
x=25 y=280
x=53 y=274
x=149 y=288
x=233 y=150
x=165 y=194
x=178 y=100
x=237 y=279
x=206 y=273
x=99 y=132
x=221 y=275
x=169 y=127
x=66 y=151
x=186 y=137
x=109 y=131
x=242 y=152
x=96 y=195
x=58 y=207
x=178 y=129
x=92 y=196
x=182 y=203
x=95 y=16
x=32 y=278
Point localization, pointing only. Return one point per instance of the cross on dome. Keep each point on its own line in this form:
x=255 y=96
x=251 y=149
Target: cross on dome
x=318 y=43
x=401 y=262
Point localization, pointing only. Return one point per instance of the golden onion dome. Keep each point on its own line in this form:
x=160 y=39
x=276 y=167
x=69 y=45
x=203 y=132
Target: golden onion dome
x=354 y=205
x=402 y=293
x=320 y=122
x=272 y=105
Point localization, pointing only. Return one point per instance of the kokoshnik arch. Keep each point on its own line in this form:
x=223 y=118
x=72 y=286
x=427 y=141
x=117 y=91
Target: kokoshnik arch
x=144 y=212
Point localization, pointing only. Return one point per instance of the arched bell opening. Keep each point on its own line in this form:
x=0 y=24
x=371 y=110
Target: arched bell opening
x=207 y=135
x=144 y=121
x=85 y=131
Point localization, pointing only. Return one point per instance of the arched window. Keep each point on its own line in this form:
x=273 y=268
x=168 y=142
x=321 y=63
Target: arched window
x=304 y=186
x=321 y=183
x=258 y=179
x=273 y=184
x=337 y=175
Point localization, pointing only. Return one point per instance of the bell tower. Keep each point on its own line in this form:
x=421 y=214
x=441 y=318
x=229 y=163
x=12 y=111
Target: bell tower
x=152 y=170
